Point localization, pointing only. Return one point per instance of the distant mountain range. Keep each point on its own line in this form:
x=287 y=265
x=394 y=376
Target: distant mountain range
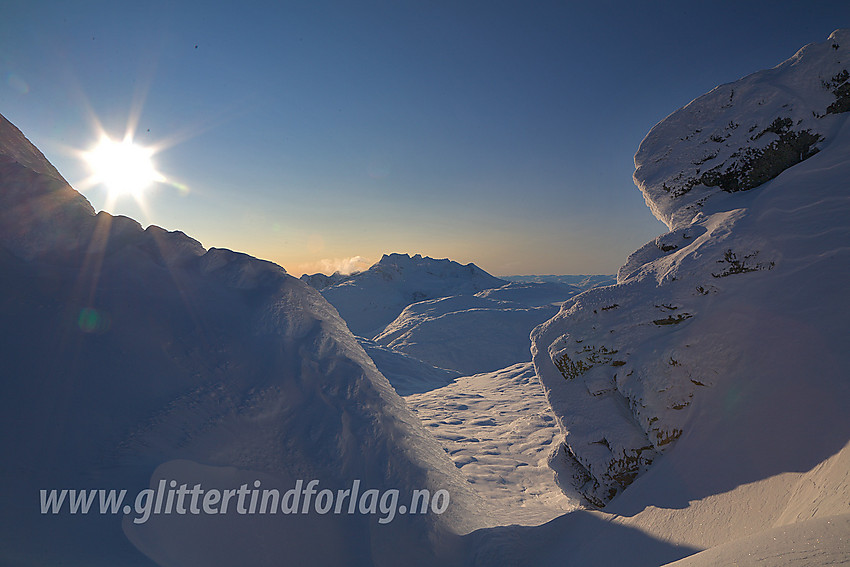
x=370 y=300
x=451 y=316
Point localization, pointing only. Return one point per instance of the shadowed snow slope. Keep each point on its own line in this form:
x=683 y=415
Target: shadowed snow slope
x=407 y=374
x=725 y=342
x=130 y=356
x=796 y=544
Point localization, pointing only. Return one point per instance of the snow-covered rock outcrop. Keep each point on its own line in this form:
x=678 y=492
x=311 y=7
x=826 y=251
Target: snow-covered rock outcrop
x=370 y=300
x=729 y=333
x=743 y=134
x=130 y=356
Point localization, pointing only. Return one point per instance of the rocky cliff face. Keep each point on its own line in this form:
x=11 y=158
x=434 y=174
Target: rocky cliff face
x=752 y=180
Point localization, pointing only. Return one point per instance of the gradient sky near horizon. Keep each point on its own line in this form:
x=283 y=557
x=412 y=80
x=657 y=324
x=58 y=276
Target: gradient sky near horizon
x=322 y=135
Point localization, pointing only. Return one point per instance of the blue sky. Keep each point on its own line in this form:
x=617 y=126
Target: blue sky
x=308 y=133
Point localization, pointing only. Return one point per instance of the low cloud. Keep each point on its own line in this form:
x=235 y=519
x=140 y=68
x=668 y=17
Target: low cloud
x=344 y=266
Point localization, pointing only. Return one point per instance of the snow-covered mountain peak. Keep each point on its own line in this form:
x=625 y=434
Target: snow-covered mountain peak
x=370 y=300
x=395 y=264
x=742 y=134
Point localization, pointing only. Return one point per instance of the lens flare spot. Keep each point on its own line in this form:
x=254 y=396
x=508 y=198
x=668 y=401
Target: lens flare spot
x=93 y=321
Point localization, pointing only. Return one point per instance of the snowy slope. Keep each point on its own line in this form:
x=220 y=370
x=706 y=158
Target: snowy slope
x=791 y=519
x=583 y=282
x=407 y=374
x=131 y=355
x=532 y=294
x=450 y=317
x=370 y=300
x=465 y=333
x=803 y=543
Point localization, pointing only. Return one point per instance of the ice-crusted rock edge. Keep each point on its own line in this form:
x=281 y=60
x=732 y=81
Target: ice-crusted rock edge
x=623 y=365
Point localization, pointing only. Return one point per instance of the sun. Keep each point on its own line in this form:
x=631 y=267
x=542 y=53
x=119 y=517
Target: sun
x=123 y=167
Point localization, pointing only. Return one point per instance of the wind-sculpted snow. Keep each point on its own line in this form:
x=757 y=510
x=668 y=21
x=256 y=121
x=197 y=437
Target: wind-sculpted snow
x=131 y=355
x=498 y=429
x=742 y=134
x=39 y=212
x=707 y=390
x=734 y=310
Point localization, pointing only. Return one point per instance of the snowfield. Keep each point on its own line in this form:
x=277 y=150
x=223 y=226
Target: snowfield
x=498 y=430
x=693 y=413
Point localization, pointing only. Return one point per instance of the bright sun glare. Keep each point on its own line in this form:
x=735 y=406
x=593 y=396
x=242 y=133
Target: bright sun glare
x=124 y=168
